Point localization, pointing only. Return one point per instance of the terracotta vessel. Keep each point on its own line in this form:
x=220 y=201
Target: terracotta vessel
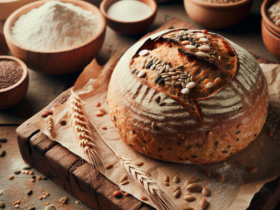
x=268 y=23
x=271 y=41
x=14 y=94
x=57 y=62
x=217 y=16
x=129 y=28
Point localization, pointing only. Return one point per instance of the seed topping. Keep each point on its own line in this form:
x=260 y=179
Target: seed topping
x=185 y=90
x=144 y=52
x=202 y=54
x=190 y=85
x=209 y=85
x=141 y=73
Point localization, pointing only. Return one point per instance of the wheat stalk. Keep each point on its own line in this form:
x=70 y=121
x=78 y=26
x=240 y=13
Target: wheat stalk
x=161 y=199
x=50 y=125
x=82 y=128
x=109 y=67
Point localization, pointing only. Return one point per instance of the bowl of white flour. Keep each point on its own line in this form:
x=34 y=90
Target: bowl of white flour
x=129 y=17
x=56 y=37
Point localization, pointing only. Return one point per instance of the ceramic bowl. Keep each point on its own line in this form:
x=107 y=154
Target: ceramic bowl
x=217 y=16
x=7 y=7
x=57 y=62
x=269 y=24
x=14 y=94
x=271 y=41
x=129 y=28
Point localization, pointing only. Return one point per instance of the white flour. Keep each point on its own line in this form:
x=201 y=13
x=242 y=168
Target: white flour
x=129 y=10
x=54 y=26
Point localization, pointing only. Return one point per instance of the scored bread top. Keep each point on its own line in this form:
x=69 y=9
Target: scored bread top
x=186 y=68
x=218 y=121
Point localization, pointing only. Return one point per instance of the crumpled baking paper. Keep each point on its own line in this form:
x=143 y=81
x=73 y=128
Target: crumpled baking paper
x=235 y=193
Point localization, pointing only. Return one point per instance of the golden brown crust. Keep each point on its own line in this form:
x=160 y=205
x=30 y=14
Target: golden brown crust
x=219 y=71
x=231 y=117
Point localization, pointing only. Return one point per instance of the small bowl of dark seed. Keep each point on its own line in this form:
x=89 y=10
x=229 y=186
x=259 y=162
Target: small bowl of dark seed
x=13 y=81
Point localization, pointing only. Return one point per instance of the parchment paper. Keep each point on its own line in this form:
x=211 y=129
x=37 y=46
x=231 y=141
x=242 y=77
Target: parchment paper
x=239 y=186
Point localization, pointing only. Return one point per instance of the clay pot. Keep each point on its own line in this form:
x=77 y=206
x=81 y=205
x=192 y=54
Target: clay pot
x=268 y=23
x=129 y=28
x=271 y=41
x=217 y=16
x=57 y=62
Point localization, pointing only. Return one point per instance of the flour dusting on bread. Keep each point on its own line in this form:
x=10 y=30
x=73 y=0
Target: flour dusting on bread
x=136 y=103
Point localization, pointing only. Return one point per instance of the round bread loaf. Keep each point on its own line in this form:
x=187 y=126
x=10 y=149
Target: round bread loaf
x=187 y=96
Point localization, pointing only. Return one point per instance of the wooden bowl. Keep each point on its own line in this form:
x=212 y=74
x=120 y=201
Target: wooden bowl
x=129 y=28
x=57 y=62
x=14 y=94
x=217 y=16
x=269 y=24
x=271 y=41
x=7 y=7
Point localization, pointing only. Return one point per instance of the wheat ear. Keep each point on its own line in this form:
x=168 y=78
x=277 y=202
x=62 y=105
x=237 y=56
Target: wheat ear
x=109 y=67
x=161 y=199
x=50 y=125
x=82 y=128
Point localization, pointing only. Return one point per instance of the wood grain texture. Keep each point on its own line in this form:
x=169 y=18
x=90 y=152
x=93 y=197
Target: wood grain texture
x=50 y=157
x=57 y=62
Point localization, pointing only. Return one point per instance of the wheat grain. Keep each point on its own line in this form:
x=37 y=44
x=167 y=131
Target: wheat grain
x=82 y=128
x=50 y=125
x=161 y=199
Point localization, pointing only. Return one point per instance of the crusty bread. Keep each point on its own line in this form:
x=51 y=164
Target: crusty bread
x=199 y=125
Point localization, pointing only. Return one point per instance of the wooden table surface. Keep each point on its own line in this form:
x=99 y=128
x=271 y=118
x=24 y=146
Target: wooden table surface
x=43 y=89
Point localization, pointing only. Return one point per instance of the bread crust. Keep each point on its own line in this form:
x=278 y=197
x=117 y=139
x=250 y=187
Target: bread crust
x=231 y=117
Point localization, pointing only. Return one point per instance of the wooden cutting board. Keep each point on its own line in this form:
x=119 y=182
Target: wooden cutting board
x=72 y=173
